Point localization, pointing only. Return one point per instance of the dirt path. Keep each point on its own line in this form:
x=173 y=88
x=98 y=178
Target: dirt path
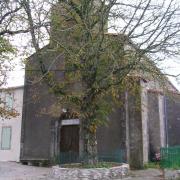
x=148 y=174
x=15 y=171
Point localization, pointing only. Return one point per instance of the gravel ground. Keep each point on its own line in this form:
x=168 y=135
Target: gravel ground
x=16 y=171
x=148 y=174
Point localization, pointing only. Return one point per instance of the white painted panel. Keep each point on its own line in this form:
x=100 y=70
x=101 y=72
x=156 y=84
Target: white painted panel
x=13 y=154
x=70 y=122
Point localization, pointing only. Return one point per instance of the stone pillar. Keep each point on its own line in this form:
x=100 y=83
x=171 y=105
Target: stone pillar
x=161 y=120
x=81 y=140
x=144 y=114
x=136 y=158
x=55 y=139
x=127 y=127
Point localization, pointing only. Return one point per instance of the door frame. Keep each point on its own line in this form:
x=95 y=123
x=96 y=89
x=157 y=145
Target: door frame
x=56 y=135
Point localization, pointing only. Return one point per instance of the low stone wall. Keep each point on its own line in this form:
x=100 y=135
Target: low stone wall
x=170 y=174
x=118 y=172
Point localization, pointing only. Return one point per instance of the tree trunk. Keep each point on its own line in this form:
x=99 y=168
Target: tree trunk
x=89 y=141
x=91 y=148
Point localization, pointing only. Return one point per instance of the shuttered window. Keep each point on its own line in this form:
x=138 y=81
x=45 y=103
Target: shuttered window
x=6 y=138
x=9 y=101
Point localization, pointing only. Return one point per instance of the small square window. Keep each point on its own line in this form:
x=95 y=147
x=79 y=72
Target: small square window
x=9 y=101
x=6 y=138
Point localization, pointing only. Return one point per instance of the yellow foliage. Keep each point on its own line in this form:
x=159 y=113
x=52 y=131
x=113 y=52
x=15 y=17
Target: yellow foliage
x=93 y=128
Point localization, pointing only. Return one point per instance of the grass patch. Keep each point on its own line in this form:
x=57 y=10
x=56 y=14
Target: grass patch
x=152 y=165
x=90 y=166
x=175 y=167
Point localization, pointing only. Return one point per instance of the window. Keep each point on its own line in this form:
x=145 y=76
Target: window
x=6 y=138
x=9 y=101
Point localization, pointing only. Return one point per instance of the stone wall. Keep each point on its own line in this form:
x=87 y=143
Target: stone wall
x=36 y=130
x=154 y=125
x=172 y=115
x=170 y=174
x=118 y=172
x=112 y=138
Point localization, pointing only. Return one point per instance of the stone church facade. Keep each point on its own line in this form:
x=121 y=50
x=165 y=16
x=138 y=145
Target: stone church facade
x=139 y=130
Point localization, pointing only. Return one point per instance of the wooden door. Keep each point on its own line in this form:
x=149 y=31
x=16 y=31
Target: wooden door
x=69 y=139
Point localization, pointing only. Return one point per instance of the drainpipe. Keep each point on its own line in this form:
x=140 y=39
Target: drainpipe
x=166 y=121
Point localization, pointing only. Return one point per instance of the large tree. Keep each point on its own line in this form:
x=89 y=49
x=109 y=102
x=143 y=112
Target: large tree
x=8 y=15
x=5 y=67
x=96 y=62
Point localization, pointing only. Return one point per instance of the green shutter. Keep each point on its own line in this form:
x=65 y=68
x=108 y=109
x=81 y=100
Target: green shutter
x=9 y=101
x=6 y=138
